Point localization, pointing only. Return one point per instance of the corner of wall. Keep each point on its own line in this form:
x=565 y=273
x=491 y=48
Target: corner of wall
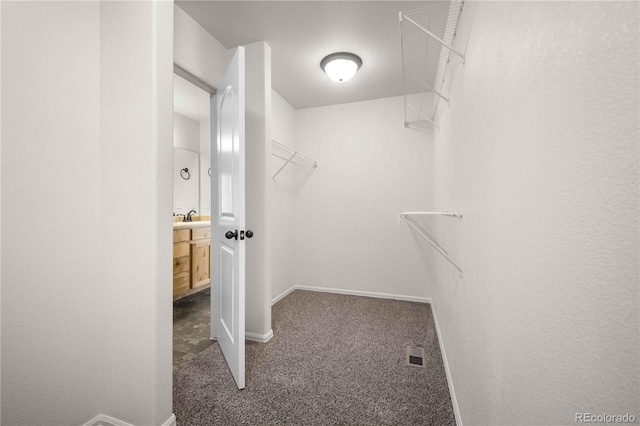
x=197 y=51
x=447 y=370
x=103 y=420
x=258 y=161
x=136 y=118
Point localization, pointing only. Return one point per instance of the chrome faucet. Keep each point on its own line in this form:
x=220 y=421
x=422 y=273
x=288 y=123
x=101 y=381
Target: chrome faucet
x=188 y=218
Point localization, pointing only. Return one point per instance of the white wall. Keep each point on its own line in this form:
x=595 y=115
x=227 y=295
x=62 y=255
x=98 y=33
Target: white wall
x=540 y=150
x=282 y=201
x=51 y=339
x=135 y=258
x=257 y=168
x=370 y=168
x=86 y=296
x=0 y=215
x=198 y=50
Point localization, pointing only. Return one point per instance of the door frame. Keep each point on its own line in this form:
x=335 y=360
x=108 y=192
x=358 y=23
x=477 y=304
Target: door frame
x=196 y=77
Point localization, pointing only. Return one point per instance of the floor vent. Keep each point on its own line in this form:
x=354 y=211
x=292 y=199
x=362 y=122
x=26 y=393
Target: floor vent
x=415 y=356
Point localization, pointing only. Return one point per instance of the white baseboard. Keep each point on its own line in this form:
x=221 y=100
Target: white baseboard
x=445 y=361
x=102 y=420
x=262 y=338
x=363 y=293
x=171 y=421
x=282 y=295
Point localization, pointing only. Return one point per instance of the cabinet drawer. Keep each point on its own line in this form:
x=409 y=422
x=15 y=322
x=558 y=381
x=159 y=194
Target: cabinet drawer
x=181 y=235
x=180 y=264
x=180 y=283
x=180 y=250
x=200 y=233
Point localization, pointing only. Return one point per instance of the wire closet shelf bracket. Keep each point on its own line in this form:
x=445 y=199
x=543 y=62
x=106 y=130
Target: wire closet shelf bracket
x=426 y=40
x=290 y=156
x=410 y=218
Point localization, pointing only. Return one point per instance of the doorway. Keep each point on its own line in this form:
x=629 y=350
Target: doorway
x=206 y=252
x=192 y=220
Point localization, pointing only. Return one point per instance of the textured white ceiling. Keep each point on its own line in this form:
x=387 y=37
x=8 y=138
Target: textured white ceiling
x=301 y=33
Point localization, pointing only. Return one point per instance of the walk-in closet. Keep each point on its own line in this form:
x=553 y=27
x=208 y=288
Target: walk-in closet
x=375 y=212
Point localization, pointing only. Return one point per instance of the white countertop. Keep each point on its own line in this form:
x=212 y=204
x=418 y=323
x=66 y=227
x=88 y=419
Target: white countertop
x=194 y=224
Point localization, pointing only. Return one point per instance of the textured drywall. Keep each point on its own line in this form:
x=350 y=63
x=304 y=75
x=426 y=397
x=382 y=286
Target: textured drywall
x=51 y=358
x=370 y=168
x=257 y=167
x=0 y=216
x=282 y=202
x=198 y=50
x=539 y=149
x=86 y=299
x=136 y=92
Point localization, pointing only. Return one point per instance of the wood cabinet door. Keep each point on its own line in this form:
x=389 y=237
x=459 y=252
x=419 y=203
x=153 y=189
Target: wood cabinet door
x=200 y=265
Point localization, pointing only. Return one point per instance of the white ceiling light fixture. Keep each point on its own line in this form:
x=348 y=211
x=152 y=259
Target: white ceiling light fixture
x=341 y=66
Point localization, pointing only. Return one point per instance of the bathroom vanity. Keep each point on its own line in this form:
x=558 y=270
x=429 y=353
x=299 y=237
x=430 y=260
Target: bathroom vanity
x=191 y=257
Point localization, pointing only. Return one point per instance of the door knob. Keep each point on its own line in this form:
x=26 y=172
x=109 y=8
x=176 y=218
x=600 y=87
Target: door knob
x=229 y=235
x=249 y=234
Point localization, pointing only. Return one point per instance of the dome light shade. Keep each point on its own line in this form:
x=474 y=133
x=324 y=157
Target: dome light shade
x=341 y=66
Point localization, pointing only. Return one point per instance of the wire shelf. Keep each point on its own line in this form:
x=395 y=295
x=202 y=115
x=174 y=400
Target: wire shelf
x=290 y=156
x=426 y=38
x=410 y=218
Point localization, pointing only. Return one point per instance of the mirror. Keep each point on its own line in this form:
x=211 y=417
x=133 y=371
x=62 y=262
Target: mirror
x=191 y=148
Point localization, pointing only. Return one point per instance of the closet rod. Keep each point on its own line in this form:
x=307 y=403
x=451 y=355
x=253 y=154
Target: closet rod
x=451 y=213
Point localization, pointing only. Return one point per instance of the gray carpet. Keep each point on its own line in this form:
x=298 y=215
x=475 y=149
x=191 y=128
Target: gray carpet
x=333 y=360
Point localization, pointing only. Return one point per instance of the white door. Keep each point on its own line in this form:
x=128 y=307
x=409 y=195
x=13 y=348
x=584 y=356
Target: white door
x=228 y=219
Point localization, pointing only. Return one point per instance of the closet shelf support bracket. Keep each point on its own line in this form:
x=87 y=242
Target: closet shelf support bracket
x=407 y=217
x=284 y=165
x=290 y=156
